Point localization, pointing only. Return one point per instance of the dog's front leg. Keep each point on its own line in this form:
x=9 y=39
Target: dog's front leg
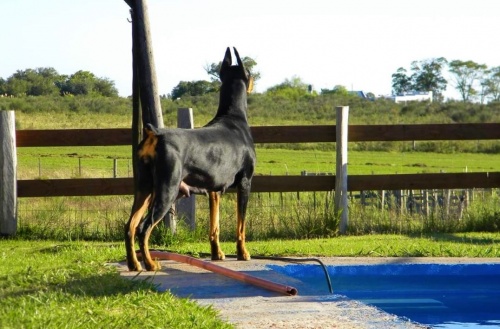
x=141 y=202
x=243 y=194
x=214 y=201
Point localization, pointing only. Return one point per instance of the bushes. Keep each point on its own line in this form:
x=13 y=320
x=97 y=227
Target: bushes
x=276 y=109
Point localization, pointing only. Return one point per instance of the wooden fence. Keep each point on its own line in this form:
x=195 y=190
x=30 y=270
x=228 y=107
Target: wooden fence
x=273 y=134
x=262 y=134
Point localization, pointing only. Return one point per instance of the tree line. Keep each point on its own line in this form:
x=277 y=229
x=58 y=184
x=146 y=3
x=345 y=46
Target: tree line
x=473 y=81
x=46 y=81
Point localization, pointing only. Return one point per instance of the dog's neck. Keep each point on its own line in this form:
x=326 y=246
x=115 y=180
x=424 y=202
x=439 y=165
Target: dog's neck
x=233 y=99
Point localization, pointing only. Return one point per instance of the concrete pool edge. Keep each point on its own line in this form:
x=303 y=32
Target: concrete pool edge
x=249 y=307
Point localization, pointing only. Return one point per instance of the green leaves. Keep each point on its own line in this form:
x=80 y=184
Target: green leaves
x=45 y=81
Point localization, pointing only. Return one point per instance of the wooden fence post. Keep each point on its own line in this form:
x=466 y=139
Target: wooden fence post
x=8 y=175
x=342 y=118
x=186 y=207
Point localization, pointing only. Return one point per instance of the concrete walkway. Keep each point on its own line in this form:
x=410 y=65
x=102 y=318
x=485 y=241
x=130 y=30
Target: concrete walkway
x=248 y=306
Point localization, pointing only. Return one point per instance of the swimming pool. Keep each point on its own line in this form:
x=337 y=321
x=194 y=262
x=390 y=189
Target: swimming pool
x=438 y=295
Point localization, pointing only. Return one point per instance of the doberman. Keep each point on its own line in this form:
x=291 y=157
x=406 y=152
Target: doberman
x=177 y=162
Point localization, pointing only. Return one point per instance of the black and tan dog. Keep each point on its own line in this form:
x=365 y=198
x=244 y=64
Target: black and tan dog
x=176 y=162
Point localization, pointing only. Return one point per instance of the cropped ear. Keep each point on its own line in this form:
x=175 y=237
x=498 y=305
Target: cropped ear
x=250 y=85
x=241 y=67
x=226 y=63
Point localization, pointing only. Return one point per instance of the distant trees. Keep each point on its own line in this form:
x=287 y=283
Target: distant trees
x=86 y=83
x=34 y=82
x=492 y=83
x=213 y=69
x=473 y=81
x=193 y=88
x=201 y=87
x=337 y=90
x=426 y=76
x=46 y=81
x=466 y=74
x=292 y=88
x=401 y=82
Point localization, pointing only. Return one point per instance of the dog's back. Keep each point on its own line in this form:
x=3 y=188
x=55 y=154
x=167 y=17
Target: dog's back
x=218 y=155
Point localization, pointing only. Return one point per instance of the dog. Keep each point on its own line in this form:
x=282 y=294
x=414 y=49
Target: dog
x=175 y=163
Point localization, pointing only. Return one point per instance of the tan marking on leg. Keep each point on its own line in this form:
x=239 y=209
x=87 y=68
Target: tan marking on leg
x=150 y=264
x=242 y=252
x=214 y=201
x=141 y=203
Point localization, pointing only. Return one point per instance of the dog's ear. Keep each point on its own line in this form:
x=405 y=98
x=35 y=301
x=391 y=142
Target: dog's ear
x=244 y=72
x=250 y=85
x=241 y=67
x=226 y=64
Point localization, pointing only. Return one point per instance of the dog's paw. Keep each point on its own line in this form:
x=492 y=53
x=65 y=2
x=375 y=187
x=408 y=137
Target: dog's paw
x=244 y=256
x=219 y=255
x=134 y=266
x=153 y=266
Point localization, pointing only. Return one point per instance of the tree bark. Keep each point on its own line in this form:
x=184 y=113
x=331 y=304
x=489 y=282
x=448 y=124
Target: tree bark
x=143 y=48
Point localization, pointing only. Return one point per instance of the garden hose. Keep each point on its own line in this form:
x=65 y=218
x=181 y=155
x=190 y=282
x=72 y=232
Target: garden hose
x=290 y=260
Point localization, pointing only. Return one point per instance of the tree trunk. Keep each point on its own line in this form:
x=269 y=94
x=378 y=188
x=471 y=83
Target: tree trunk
x=143 y=47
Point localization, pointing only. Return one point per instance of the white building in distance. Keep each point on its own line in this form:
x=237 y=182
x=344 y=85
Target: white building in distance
x=413 y=96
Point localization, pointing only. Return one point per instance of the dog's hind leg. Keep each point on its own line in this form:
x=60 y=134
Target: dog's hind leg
x=163 y=199
x=141 y=203
x=243 y=193
x=214 y=201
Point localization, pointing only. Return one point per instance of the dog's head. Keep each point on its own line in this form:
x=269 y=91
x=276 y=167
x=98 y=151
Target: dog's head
x=229 y=73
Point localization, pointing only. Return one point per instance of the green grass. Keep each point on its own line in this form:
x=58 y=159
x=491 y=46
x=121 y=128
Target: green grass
x=433 y=245
x=67 y=162
x=46 y=284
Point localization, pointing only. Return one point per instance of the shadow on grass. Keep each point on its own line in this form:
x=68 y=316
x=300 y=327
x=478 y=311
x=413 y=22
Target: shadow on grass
x=458 y=238
x=94 y=285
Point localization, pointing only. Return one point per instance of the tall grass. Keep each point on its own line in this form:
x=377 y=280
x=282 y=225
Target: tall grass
x=270 y=216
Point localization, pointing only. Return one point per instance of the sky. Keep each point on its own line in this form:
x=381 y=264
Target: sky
x=358 y=44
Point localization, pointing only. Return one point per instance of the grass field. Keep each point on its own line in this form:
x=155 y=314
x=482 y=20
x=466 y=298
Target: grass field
x=65 y=162
x=47 y=284
x=67 y=284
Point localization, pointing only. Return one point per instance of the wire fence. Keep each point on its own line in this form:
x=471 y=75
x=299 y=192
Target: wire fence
x=282 y=215
x=275 y=215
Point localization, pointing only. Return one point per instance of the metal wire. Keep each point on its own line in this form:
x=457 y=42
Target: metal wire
x=290 y=260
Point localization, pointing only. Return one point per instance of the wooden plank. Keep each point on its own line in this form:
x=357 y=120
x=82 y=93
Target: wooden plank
x=276 y=134
x=293 y=134
x=124 y=186
x=73 y=137
x=424 y=181
x=424 y=132
x=292 y=183
x=75 y=187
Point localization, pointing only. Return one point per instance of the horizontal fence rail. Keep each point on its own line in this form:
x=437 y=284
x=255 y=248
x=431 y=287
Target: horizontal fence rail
x=273 y=134
x=276 y=134
x=125 y=186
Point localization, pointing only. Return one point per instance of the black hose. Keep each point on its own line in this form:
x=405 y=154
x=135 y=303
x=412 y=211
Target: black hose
x=290 y=260
x=285 y=259
x=301 y=260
